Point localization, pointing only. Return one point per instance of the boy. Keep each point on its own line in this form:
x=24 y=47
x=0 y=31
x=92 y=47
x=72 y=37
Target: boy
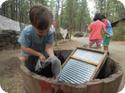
x=107 y=37
x=37 y=41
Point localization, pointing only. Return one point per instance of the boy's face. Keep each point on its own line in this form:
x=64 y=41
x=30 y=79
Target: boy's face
x=42 y=33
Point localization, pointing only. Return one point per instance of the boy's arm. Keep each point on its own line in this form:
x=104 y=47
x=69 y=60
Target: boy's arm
x=33 y=52
x=88 y=28
x=25 y=41
x=49 y=44
x=104 y=29
x=49 y=50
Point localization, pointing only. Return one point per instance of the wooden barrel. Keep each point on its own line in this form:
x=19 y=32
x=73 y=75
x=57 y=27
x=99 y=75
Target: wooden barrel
x=34 y=83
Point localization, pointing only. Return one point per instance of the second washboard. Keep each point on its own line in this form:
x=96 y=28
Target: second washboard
x=81 y=66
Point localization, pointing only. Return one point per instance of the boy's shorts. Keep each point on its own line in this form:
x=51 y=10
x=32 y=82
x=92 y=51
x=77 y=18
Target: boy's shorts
x=106 y=40
x=97 y=41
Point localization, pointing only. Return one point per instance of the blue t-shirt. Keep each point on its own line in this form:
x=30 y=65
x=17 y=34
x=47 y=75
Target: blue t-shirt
x=29 y=38
x=109 y=28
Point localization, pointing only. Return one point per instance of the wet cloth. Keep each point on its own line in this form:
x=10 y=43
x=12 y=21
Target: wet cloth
x=53 y=62
x=50 y=68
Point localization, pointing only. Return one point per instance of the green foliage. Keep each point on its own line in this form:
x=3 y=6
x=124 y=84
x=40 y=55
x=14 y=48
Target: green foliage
x=18 y=9
x=113 y=9
x=75 y=14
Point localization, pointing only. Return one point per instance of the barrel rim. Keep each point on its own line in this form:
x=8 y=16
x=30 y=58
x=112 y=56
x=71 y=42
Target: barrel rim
x=110 y=78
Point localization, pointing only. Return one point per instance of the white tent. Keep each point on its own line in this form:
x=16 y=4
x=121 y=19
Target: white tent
x=8 y=24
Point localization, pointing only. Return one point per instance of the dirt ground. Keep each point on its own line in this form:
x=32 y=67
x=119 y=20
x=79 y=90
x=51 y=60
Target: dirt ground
x=10 y=76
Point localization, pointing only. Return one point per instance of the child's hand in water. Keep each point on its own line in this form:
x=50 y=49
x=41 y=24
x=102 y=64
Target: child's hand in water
x=42 y=58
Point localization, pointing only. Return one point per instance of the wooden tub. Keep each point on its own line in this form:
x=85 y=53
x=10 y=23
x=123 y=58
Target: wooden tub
x=108 y=81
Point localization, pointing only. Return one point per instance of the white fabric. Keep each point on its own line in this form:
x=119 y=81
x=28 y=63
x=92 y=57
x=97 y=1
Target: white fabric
x=1 y=90
x=63 y=32
x=52 y=29
x=122 y=91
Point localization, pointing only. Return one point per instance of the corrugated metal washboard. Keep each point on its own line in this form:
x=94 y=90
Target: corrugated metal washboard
x=81 y=66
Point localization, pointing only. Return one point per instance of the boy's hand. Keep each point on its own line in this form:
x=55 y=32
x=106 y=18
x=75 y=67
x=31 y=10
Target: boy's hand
x=42 y=58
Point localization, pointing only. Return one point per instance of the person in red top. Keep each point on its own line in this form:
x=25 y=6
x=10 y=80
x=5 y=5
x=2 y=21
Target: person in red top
x=96 y=30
